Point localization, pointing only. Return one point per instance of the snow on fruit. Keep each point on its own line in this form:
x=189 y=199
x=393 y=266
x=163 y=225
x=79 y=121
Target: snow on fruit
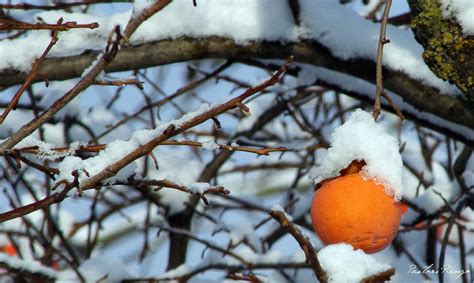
x=358 y=187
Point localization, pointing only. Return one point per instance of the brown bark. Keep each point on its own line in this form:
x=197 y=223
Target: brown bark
x=422 y=97
x=448 y=51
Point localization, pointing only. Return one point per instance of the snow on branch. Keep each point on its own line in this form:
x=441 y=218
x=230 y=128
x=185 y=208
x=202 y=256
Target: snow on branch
x=104 y=168
x=28 y=268
x=279 y=215
x=227 y=34
x=115 y=41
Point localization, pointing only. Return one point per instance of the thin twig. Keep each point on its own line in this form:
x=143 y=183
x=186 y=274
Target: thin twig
x=33 y=74
x=159 y=184
x=395 y=108
x=17 y=25
x=378 y=75
x=135 y=82
x=56 y=6
x=99 y=147
x=452 y=219
x=304 y=243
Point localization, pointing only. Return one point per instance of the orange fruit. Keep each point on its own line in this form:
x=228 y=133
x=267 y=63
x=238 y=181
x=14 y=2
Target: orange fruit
x=8 y=249
x=349 y=209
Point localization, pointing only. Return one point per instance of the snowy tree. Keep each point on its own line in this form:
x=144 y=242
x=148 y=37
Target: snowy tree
x=183 y=140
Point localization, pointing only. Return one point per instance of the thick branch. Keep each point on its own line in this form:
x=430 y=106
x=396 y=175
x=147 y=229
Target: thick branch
x=421 y=96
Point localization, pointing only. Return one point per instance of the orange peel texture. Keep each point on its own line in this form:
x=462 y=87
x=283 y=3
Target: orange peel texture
x=349 y=209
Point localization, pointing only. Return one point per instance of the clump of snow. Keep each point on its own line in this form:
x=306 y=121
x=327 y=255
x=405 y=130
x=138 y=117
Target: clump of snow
x=91 y=66
x=203 y=108
x=178 y=271
x=344 y=264
x=67 y=166
x=211 y=145
x=49 y=154
x=463 y=11
x=222 y=18
x=361 y=138
x=139 y=6
x=27 y=265
x=279 y=208
x=198 y=187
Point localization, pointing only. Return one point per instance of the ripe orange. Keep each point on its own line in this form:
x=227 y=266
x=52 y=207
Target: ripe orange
x=349 y=209
x=8 y=249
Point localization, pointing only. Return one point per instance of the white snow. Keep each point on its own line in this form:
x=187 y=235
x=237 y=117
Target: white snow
x=279 y=208
x=462 y=10
x=91 y=66
x=344 y=264
x=178 y=271
x=361 y=138
x=198 y=187
x=27 y=265
x=139 y=6
x=211 y=145
x=117 y=149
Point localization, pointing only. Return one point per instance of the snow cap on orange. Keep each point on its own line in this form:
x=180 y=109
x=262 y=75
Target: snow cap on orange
x=361 y=138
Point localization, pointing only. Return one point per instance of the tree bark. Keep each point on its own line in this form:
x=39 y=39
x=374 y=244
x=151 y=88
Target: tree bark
x=422 y=97
x=448 y=52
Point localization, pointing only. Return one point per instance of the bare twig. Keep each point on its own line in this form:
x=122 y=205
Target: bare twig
x=33 y=74
x=304 y=243
x=97 y=148
x=159 y=184
x=394 y=106
x=135 y=82
x=242 y=277
x=455 y=214
x=378 y=79
x=17 y=25
x=47 y=201
x=383 y=276
x=207 y=243
x=56 y=6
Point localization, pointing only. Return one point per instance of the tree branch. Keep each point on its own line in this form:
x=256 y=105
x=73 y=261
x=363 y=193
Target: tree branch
x=422 y=97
